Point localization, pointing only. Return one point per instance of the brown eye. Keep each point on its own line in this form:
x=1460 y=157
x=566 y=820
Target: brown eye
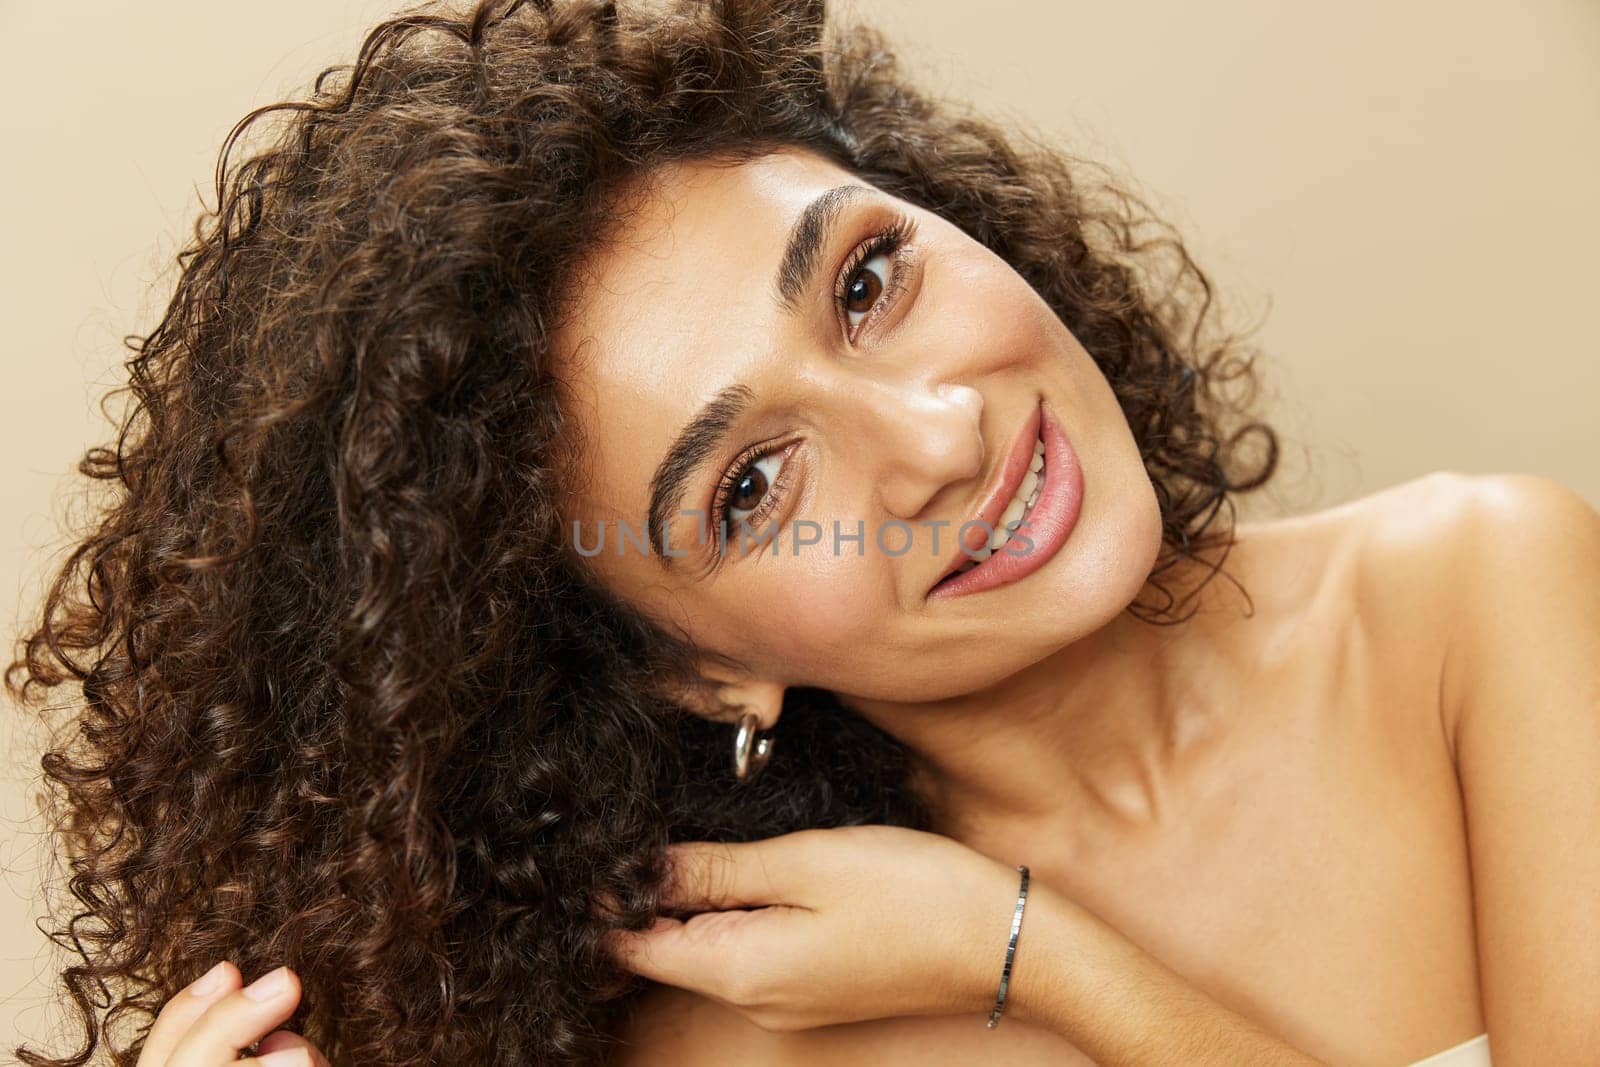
x=864 y=289
x=750 y=487
x=749 y=490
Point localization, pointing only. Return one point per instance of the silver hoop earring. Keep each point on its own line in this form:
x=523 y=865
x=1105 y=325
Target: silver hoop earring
x=750 y=752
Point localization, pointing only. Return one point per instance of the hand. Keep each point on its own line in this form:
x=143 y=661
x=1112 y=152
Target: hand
x=207 y=1024
x=853 y=923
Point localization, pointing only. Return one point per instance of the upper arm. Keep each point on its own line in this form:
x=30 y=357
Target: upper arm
x=1521 y=694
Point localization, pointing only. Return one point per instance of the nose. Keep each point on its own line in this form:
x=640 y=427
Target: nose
x=922 y=439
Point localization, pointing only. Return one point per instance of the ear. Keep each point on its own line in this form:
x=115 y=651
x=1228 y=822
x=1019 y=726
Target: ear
x=724 y=695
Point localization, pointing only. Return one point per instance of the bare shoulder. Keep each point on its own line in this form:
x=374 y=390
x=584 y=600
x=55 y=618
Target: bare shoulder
x=1445 y=500
x=1405 y=566
x=1409 y=537
x=1446 y=538
x=1378 y=558
x=1523 y=586
x=1438 y=557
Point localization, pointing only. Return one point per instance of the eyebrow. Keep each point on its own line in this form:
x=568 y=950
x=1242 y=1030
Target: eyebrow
x=704 y=434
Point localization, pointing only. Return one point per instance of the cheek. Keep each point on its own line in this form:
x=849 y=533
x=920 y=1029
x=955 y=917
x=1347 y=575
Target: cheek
x=802 y=615
x=979 y=312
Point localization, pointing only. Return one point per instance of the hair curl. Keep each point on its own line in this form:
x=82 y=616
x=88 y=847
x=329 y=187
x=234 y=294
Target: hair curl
x=347 y=704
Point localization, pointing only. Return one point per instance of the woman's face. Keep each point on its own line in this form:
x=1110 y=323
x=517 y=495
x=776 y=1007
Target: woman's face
x=893 y=410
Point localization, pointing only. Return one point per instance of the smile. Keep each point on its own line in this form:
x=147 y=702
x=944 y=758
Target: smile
x=1030 y=522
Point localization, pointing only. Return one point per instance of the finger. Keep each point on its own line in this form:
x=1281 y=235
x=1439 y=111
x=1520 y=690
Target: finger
x=663 y=953
x=718 y=875
x=289 y=1057
x=714 y=954
x=180 y=1013
x=285 y=1048
x=237 y=1020
x=287 y=1040
x=627 y=946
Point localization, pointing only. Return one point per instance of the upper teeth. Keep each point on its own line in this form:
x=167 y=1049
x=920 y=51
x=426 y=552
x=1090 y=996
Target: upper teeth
x=1027 y=493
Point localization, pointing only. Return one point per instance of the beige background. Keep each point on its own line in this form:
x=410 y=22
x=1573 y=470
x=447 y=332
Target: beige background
x=1403 y=193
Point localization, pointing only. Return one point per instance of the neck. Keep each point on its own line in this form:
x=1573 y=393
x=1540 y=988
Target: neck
x=1102 y=728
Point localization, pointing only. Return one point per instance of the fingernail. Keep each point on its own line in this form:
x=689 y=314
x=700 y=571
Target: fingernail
x=209 y=982
x=268 y=985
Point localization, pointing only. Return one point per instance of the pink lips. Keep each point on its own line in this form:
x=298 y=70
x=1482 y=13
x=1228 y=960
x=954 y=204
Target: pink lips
x=1046 y=525
x=1008 y=478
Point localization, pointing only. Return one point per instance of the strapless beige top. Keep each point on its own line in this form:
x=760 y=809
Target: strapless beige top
x=1473 y=1053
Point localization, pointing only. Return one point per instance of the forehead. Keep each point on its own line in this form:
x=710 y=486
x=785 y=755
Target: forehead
x=676 y=303
x=692 y=232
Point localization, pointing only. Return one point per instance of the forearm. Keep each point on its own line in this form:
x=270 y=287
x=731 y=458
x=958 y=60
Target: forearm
x=1081 y=978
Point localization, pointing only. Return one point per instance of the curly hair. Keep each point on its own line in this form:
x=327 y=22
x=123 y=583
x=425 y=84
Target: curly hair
x=346 y=702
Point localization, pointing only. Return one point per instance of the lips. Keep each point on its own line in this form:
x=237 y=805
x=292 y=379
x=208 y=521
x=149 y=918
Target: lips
x=1003 y=485
x=1049 y=522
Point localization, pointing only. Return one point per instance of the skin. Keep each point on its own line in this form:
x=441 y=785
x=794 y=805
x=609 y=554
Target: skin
x=903 y=421
x=1350 y=820
x=218 y=1015
x=1391 y=852
x=1263 y=801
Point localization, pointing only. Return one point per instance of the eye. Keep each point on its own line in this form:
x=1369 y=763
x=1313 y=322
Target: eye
x=750 y=485
x=865 y=286
x=871 y=277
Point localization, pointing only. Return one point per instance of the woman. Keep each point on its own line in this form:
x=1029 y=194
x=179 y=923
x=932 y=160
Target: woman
x=390 y=709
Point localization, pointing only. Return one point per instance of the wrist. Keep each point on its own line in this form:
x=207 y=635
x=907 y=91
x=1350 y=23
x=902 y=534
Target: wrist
x=1035 y=990
x=1078 y=977
x=1044 y=936
x=1012 y=935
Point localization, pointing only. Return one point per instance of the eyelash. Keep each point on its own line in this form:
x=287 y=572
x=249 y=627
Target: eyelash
x=889 y=240
x=740 y=466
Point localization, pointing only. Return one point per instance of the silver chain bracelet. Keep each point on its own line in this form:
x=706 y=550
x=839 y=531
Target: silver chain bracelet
x=1011 y=951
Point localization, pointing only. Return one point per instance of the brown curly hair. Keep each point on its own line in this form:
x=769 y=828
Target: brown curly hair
x=346 y=702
